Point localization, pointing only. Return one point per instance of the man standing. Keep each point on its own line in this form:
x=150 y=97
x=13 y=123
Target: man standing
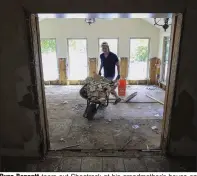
x=109 y=61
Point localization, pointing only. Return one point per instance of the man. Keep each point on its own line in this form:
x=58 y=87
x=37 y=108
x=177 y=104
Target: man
x=109 y=61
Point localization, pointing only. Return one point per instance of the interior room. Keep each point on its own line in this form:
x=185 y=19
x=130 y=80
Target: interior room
x=71 y=48
x=24 y=123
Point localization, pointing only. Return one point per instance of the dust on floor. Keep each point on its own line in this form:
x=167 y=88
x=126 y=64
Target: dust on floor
x=134 y=125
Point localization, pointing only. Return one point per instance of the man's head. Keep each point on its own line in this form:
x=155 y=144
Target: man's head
x=105 y=47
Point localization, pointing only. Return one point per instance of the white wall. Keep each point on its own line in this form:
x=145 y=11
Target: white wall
x=123 y=29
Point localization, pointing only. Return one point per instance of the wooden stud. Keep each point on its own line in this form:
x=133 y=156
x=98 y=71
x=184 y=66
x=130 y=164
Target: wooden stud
x=124 y=67
x=92 y=62
x=62 y=71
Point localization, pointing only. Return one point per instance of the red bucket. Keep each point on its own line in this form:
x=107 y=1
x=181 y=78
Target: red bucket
x=122 y=87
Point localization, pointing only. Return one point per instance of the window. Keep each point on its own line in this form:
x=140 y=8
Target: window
x=166 y=47
x=49 y=59
x=139 y=54
x=78 y=59
x=113 y=46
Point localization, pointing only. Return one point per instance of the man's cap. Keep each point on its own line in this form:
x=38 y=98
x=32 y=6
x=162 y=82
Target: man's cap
x=104 y=44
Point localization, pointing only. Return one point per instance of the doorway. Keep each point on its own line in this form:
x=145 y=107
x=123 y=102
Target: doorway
x=77 y=49
x=139 y=55
x=83 y=138
x=49 y=59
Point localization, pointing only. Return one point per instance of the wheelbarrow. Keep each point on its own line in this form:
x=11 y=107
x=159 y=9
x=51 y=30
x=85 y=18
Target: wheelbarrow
x=95 y=101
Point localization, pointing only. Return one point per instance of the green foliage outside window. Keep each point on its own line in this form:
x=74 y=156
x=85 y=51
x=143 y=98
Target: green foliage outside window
x=48 y=46
x=141 y=54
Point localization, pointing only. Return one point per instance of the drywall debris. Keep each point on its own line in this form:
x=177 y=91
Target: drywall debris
x=147 y=147
x=156 y=115
x=62 y=140
x=135 y=126
x=151 y=87
x=154 y=128
x=65 y=102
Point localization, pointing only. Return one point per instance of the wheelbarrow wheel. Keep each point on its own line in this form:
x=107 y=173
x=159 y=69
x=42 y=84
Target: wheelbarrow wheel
x=91 y=111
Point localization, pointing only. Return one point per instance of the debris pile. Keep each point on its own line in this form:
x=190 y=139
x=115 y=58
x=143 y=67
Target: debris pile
x=97 y=88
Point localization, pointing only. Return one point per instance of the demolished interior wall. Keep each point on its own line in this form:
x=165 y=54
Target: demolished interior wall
x=18 y=130
x=183 y=133
x=18 y=124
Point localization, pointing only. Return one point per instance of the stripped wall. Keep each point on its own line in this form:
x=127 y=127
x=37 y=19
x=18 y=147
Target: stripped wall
x=122 y=29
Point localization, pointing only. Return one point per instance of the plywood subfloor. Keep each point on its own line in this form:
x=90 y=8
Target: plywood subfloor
x=112 y=128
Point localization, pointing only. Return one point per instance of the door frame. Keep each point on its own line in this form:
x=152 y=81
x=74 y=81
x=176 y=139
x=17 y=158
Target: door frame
x=149 y=43
x=37 y=77
x=67 y=39
x=169 y=97
x=173 y=60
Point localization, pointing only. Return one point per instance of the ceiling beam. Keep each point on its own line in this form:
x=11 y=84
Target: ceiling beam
x=106 y=15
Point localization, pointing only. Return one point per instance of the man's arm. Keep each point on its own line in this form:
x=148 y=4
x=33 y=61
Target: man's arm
x=101 y=66
x=118 y=67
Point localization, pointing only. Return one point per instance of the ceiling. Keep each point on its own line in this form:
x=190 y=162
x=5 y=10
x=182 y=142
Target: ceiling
x=145 y=16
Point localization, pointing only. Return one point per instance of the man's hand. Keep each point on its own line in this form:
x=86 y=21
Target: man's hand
x=118 y=77
x=99 y=73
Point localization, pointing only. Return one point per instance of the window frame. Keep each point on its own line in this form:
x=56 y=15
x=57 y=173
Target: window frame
x=56 y=50
x=80 y=38
x=149 y=43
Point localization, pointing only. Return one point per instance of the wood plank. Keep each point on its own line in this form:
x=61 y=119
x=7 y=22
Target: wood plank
x=171 y=78
x=62 y=71
x=124 y=67
x=38 y=83
x=92 y=62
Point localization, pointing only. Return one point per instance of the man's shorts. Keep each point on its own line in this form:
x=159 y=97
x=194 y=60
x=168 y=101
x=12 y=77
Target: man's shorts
x=110 y=78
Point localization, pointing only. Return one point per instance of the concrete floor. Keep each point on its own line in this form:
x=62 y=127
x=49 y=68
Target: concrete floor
x=98 y=161
x=122 y=126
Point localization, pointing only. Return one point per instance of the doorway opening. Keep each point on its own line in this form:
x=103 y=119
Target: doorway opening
x=77 y=49
x=136 y=124
x=139 y=57
x=49 y=59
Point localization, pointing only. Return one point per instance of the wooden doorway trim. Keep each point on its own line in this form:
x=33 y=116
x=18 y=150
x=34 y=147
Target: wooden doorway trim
x=171 y=79
x=35 y=64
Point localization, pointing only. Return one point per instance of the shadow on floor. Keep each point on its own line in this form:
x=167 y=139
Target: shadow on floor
x=84 y=162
